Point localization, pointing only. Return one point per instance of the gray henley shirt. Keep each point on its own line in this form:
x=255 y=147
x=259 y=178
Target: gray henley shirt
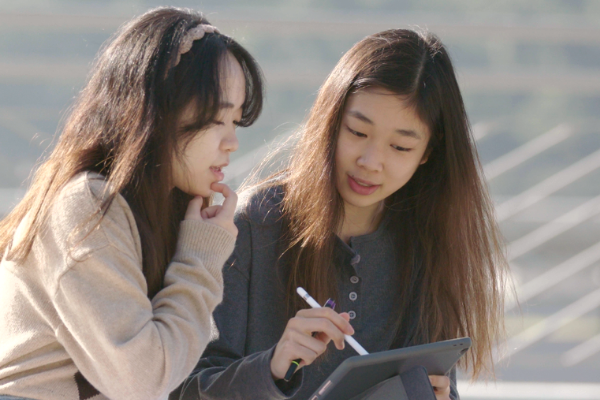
x=252 y=317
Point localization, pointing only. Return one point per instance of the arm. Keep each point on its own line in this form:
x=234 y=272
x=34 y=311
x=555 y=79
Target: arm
x=125 y=345
x=225 y=371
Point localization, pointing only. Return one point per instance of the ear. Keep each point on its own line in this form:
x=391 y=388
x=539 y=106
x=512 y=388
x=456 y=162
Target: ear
x=425 y=156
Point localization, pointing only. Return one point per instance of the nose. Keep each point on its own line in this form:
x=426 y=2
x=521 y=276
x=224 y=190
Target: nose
x=230 y=141
x=371 y=159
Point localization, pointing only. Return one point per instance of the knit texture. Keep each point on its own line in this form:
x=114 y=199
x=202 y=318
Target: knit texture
x=76 y=322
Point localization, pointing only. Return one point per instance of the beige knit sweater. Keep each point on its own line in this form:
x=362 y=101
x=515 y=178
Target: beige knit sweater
x=76 y=320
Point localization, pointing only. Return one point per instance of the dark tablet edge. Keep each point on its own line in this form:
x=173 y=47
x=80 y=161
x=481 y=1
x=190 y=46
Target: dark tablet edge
x=376 y=358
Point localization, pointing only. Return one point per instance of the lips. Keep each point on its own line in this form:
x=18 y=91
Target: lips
x=218 y=173
x=361 y=186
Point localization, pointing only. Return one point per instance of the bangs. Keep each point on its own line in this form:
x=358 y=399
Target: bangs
x=199 y=81
x=253 y=102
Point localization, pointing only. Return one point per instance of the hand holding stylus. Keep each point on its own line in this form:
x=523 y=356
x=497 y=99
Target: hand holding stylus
x=296 y=363
x=349 y=339
x=297 y=341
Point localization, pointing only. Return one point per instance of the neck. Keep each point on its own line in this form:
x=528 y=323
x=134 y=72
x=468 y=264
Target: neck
x=360 y=220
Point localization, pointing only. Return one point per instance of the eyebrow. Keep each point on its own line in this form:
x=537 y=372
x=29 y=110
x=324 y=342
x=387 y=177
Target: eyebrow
x=404 y=132
x=226 y=104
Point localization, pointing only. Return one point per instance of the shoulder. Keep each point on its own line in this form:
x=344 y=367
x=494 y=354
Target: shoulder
x=83 y=196
x=76 y=203
x=79 y=189
x=262 y=205
x=259 y=221
x=77 y=214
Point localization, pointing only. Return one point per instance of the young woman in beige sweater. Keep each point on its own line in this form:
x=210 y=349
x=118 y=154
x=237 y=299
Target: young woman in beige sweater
x=112 y=262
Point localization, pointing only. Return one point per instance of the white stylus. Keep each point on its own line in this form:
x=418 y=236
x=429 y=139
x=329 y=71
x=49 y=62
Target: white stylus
x=349 y=339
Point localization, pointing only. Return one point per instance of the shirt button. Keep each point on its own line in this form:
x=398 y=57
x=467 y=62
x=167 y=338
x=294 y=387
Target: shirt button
x=354 y=279
x=352 y=314
x=353 y=296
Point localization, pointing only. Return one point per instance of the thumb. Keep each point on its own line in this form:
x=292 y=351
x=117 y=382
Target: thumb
x=210 y=212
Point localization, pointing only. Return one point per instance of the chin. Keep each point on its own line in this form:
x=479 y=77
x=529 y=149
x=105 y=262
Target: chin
x=204 y=192
x=360 y=202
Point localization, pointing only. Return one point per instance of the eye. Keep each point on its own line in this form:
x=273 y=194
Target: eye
x=237 y=123
x=399 y=148
x=355 y=133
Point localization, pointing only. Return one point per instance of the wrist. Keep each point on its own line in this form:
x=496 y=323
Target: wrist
x=274 y=371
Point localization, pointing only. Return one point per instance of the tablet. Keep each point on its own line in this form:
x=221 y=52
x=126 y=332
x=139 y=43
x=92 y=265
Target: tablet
x=359 y=373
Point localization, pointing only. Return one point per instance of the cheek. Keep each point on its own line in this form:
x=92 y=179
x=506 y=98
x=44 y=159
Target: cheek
x=345 y=152
x=339 y=155
x=404 y=170
x=200 y=150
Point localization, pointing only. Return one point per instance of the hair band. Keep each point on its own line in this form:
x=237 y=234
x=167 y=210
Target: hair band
x=196 y=33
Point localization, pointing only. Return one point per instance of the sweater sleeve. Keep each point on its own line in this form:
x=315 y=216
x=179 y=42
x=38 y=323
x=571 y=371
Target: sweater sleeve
x=225 y=371
x=130 y=347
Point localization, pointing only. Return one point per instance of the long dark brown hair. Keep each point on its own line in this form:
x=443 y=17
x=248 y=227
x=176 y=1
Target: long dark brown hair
x=124 y=126
x=452 y=252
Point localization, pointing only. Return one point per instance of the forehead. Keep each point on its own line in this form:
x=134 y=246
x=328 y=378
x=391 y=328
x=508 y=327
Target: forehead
x=384 y=109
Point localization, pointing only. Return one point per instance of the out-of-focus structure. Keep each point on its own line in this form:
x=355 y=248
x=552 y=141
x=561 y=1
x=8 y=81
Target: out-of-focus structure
x=530 y=75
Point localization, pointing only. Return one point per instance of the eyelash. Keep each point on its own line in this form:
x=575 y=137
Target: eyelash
x=355 y=133
x=236 y=123
x=359 y=134
x=400 y=148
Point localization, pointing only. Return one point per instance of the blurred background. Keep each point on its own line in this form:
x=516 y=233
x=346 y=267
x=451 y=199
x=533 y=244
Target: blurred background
x=530 y=76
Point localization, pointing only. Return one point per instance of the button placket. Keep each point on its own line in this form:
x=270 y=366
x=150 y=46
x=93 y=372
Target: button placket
x=353 y=296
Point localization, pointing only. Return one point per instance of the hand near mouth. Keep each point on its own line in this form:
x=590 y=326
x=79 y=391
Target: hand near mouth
x=218 y=215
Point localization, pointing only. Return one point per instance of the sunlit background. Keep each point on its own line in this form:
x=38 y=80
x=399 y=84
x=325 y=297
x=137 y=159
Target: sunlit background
x=530 y=76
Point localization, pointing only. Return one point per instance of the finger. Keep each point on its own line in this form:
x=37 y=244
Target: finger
x=309 y=325
x=322 y=337
x=307 y=341
x=292 y=350
x=230 y=202
x=440 y=383
x=326 y=339
x=439 y=380
x=337 y=319
x=324 y=312
x=210 y=212
x=193 y=209
x=305 y=354
x=286 y=352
